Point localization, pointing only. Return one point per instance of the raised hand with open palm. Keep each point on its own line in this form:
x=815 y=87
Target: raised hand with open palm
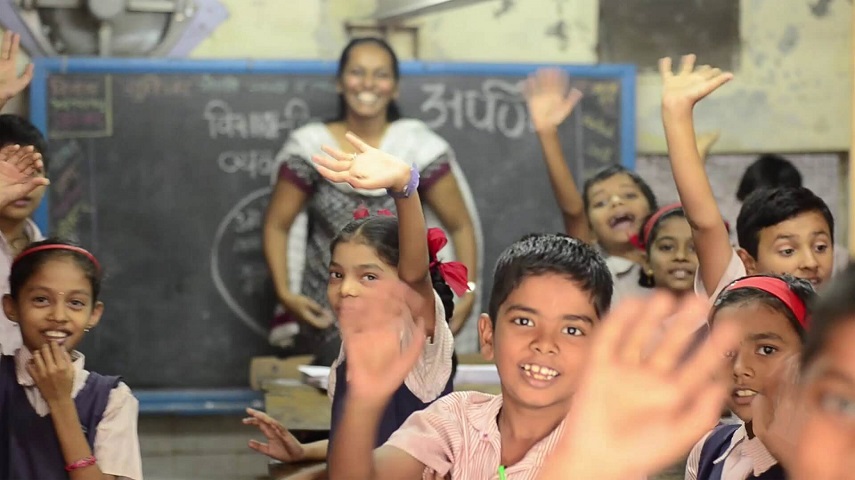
x=549 y=98
x=690 y=84
x=11 y=83
x=20 y=169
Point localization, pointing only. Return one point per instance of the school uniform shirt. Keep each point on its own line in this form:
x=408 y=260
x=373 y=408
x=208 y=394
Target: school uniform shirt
x=459 y=435
x=744 y=458
x=625 y=275
x=734 y=271
x=430 y=375
x=10 y=333
x=117 y=446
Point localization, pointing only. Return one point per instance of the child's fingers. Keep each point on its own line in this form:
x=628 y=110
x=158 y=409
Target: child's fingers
x=39 y=363
x=16 y=45
x=646 y=325
x=665 y=67
x=678 y=335
x=704 y=411
x=705 y=365
x=47 y=356
x=611 y=331
x=333 y=176
x=259 y=447
x=687 y=63
x=6 y=48
x=338 y=163
x=357 y=142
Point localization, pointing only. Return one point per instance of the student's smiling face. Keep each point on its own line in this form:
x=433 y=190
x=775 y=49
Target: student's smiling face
x=826 y=441
x=355 y=267
x=616 y=210
x=768 y=341
x=672 y=258
x=540 y=340
x=801 y=246
x=54 y=305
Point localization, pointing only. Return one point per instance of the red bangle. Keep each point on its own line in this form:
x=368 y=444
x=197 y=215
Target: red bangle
x=82 y=463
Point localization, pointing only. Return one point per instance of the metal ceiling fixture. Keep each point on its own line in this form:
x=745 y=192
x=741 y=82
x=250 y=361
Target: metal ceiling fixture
x=393 y=10
x=106 y=27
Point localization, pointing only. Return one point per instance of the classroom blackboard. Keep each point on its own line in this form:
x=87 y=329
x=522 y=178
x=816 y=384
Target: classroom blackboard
x=163 y=169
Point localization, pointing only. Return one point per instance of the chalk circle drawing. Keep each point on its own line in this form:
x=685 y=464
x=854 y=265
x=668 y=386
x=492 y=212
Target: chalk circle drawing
x=242 y=282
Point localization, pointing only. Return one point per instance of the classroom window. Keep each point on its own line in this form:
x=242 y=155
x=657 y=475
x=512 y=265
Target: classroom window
x=642 y=31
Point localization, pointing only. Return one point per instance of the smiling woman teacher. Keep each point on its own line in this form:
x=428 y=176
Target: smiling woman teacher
x=367 y=82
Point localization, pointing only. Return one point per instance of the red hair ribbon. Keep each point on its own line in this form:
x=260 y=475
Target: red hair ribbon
x=641 y=241
x=59 y=246
x=455 y=274
x=779 y=289
x=363 y=212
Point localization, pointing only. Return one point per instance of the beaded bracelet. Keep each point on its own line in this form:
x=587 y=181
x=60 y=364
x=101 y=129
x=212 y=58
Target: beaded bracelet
x=82 y=463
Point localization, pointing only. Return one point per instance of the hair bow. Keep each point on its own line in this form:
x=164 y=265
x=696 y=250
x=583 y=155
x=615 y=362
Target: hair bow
x=455 y=274
x=363 y=212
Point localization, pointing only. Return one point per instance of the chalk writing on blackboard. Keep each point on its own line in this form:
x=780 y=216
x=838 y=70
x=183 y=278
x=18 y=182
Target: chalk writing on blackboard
x=496 y=107
x=238 y=268
x=254 y=163
x=141 y=88
x=80 y=106
x=266 y=125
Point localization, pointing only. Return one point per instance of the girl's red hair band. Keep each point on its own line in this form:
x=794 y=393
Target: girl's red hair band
x=779 y=289
x=59 y=246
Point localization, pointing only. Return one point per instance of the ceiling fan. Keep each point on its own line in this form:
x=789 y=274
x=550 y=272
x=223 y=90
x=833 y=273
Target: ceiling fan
x=106 y=27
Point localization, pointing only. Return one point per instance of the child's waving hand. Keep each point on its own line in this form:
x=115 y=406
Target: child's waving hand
x=18 y=167
x=690 y=84
x=549 y=98
x=10 y=83
x=640 y=395
x=369 y=169
x=374 y=326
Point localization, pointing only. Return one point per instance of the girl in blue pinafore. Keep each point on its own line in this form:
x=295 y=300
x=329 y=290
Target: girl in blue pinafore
x=377 y=246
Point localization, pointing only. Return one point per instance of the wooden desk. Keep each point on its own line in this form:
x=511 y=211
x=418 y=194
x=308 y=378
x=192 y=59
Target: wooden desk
x=303 y=408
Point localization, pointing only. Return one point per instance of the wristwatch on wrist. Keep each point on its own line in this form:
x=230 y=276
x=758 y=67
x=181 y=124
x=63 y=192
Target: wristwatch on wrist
x=409 y=188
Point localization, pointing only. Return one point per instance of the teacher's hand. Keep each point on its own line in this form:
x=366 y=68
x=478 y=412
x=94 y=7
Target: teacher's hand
x=308 y=311
x=462 y=310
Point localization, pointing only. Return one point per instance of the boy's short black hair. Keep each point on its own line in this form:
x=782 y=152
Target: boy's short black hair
x=545 y=253
x=768 y=207
x=610 y=172
x=768 y=171
x=835 y=306
x=17 y=130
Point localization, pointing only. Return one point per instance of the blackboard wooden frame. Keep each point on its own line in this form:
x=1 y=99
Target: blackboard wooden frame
x=231 y=401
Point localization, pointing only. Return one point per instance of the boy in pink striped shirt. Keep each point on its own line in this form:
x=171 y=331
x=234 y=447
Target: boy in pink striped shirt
x=549 y=293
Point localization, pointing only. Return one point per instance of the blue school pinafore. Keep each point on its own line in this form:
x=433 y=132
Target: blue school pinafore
x=401 y=406
x=29 y=447
x=715 y=446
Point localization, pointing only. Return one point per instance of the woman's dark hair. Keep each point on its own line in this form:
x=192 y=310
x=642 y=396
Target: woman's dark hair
x=644 y=279
x=610 y=172
x=29 y=263
x=380 y=232
x=393 y=112
x=768 y=171
x=801 y=288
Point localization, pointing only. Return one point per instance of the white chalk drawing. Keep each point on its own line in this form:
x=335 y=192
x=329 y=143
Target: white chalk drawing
x=243 y=219
x=497 y=106
x=265 y=125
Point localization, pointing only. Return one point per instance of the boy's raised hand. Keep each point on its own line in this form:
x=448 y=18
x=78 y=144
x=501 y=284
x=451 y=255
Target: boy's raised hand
x=18 y=168
x=11 y=83
x=53 y=372
x=549 y=98
x=690 y=84
x=368 y=169
x=640 y=396
x=281 y=445
x=382 y=342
